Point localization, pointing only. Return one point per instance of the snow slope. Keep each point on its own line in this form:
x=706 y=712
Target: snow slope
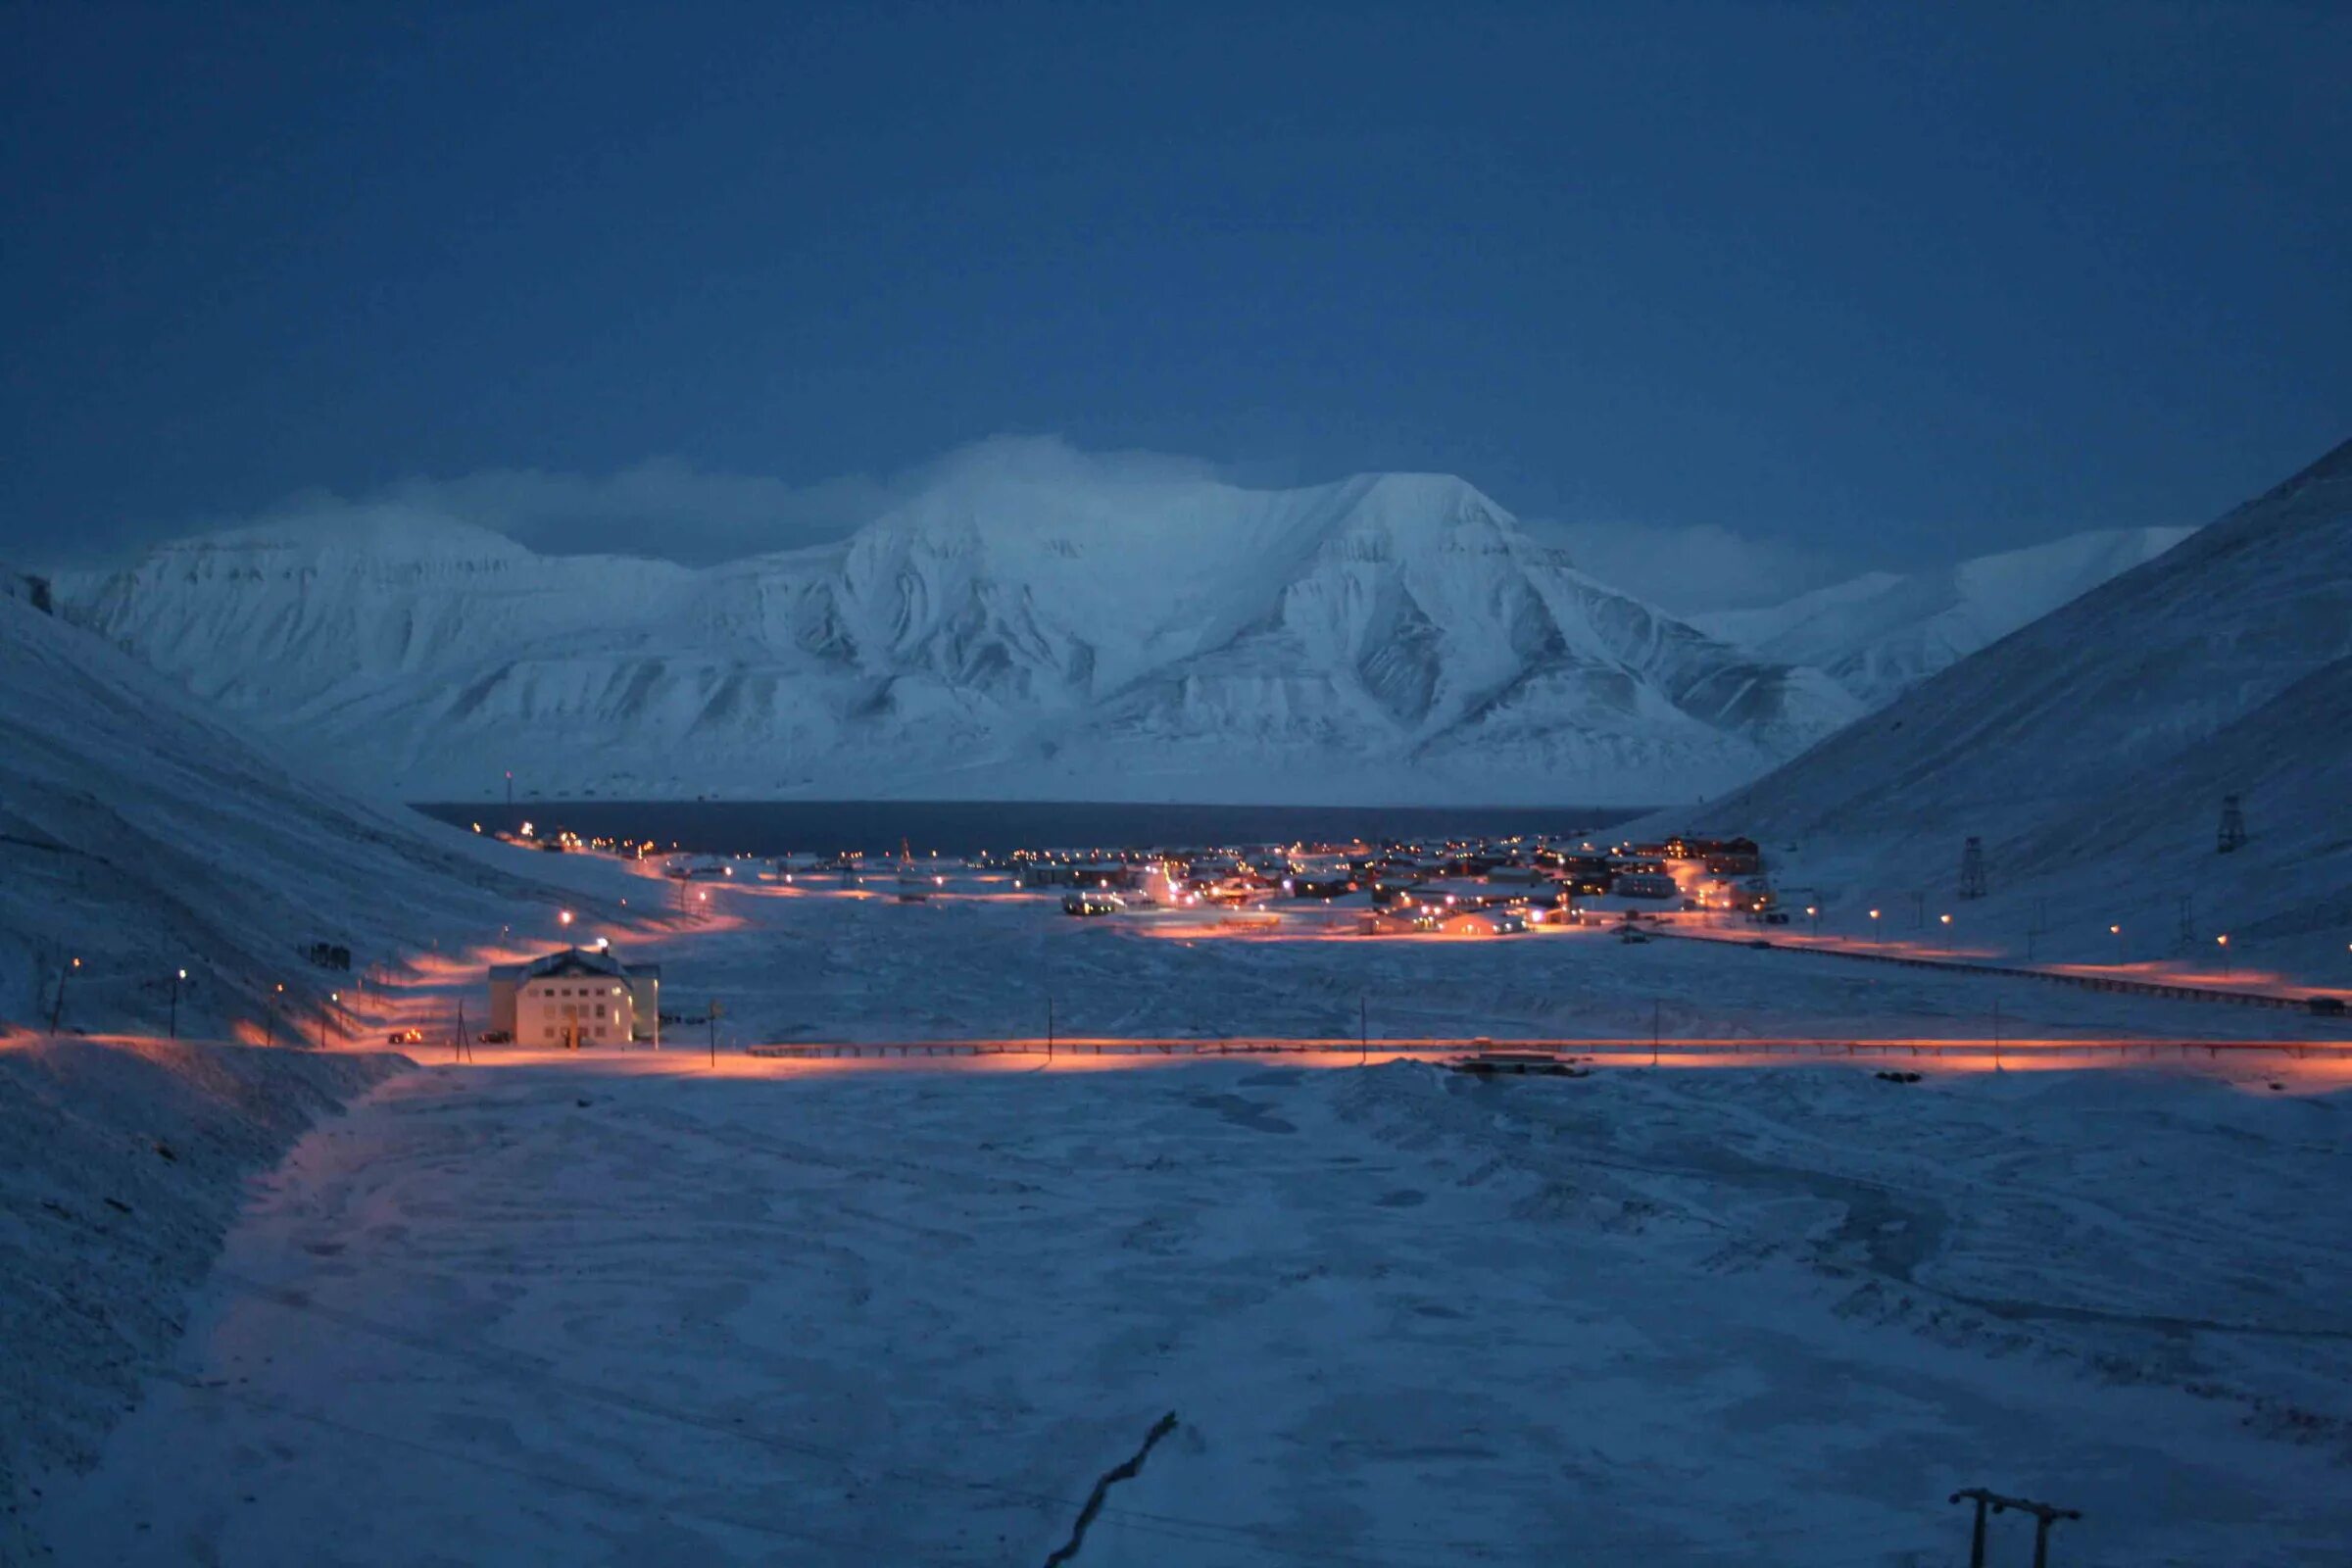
x=1881 y=633
x=1005 y=633
x=126 y=1164
x=2091 y=750
x=144 y=834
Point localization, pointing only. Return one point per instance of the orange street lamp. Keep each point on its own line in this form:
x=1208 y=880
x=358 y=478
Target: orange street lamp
x=2223 y=941
x=59 y=1006
x=177 y=976
x=564 y=917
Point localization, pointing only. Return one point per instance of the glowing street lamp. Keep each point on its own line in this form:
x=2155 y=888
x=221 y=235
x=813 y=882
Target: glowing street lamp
x=177 y=976
x=334 y=999
x=59 y=1006
x=564 y=917
x=2223 y=941
x=1813 y=913
x=2117 y=932
x=1874 y=926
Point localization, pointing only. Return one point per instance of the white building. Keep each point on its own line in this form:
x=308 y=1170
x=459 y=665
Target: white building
x=579 y=997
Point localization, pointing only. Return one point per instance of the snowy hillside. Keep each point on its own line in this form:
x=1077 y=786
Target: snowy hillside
x=1883 y=632
x=144 y=835
x=2091 y=750
x=1007 y=632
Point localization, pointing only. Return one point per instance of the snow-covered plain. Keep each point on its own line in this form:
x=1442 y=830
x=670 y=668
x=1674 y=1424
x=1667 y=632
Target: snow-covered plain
x=630 y=1311
x=635 y=1309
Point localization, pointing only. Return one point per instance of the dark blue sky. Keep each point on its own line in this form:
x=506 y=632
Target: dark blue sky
x=1888 y=284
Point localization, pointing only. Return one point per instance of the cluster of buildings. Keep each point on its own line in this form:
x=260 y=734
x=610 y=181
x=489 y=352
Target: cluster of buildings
x=1474 y=886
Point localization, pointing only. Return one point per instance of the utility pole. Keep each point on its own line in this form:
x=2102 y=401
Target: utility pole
x=1049 y=1026
x=1364 y=1028
x=1653 y=1031
x=1972 y=868
x=57 y=1008
x=2233 y=826
x=1919 y=911
x=2044 y=1515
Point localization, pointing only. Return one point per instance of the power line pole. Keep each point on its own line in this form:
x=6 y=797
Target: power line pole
x=56 y=1007
x=1972 y=868
x=2233 y=826
x=2044 y=1515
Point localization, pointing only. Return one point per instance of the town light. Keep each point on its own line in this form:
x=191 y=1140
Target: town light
x=565 y=917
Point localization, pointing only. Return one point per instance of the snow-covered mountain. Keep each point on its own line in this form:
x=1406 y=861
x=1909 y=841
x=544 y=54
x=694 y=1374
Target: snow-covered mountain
x=2092 y=749
x=1883 y=632
x=143 y=834
x=1003 y=633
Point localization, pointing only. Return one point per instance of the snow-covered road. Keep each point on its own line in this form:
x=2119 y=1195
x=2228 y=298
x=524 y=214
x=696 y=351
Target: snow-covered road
x=625 y=1311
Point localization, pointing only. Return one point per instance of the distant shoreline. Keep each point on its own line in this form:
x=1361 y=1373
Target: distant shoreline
x=968 y=827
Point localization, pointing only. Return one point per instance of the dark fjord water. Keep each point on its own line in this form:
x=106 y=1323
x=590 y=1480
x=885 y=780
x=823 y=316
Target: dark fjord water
x=968 y=827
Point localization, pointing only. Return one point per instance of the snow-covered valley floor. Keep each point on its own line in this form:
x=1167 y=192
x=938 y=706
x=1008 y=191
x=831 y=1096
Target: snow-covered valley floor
x=624 y=1310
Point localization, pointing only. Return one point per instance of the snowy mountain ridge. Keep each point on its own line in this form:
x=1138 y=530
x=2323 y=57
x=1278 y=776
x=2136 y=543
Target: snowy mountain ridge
x=1881 y=633
x=1002 y=634
x=2090 y=751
